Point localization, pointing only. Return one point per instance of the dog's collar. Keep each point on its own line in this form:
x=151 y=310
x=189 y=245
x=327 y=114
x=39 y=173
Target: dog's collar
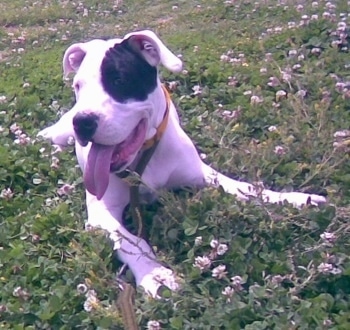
x=162 y=126
x=150 y=145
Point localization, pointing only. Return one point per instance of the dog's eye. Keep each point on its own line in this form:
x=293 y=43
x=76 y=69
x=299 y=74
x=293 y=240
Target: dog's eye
x=116 y=79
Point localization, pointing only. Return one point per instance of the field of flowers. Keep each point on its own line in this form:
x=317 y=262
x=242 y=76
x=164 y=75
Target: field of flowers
x=265 y=94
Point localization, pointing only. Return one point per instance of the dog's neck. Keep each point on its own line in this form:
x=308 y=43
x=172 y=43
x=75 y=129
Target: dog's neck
x=150 y=145
x=163 y=124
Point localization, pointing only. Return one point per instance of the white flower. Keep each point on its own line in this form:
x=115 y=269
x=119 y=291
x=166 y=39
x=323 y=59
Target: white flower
x=292 y=52
x=327 y=323
x=15 y=129
x=342 y=134
x=291 y=25
x=66 y=189
x=237 y=282
x=82 y=288
x=272 y=128
x=301 y=93
x=279 y=150
x=6 y=193
x=228 y=293
x=21 y=293
x=221 y=249
x=286 y=76
x=224 y=58
x=198 y=240
x=91 y=302
x=22 y=139
x=273 y=82
x=214 y=243
x=219 y=272
x=172 y=85
x=227 y=114
x=153 y=325
x=316 y=51
x=202 y=263
x=17 y=291
x=55 y=162
x=268 y=57
x=296 y=66
x=328 y=237
x=277 y=279
x=326 y=15
x=197 y=90
x=325 y=268
x=255 y=99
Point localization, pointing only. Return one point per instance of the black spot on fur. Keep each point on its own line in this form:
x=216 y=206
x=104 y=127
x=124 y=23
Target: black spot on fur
x=126 y=74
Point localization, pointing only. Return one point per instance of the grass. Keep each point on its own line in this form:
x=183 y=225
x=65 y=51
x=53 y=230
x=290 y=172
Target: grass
x=273 y=106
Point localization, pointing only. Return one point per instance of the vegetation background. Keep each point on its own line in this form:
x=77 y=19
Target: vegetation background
x=264 y=93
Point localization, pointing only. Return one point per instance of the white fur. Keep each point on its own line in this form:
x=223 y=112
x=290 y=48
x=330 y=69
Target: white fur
x=174 y=163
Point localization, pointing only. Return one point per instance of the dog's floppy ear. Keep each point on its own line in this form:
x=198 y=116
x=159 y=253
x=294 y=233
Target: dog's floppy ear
x=153 y=50
x=73 y=57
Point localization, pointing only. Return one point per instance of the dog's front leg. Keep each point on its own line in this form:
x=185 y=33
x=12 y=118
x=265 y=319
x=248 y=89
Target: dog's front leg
x=60 y=132
x=244 y=191
x=132 y=250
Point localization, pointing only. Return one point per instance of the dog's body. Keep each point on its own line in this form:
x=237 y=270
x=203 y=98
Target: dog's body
x=120 y=104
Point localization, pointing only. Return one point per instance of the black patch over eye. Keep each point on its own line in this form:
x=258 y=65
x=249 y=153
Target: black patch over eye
x=115 y=78
x=126 y=75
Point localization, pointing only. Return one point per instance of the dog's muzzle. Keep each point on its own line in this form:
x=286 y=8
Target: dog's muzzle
x=85 y=125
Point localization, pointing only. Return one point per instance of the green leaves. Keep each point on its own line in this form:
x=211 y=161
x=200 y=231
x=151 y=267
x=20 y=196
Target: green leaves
x=190 y=226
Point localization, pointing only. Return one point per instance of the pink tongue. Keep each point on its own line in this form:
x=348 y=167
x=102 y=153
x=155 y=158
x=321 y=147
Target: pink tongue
x=96 y=173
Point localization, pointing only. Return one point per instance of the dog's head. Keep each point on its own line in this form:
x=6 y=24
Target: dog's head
x=119 y=99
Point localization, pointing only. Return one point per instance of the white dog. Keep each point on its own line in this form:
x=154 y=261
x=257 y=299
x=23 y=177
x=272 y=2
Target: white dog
x=121 y=110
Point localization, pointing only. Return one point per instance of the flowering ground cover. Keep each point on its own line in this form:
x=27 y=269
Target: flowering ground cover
x=265 y=93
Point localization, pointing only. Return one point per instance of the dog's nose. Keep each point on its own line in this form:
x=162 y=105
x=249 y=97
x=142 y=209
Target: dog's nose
x=85 y=125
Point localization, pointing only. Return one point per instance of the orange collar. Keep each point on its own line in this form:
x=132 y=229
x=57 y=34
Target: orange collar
x=162 y=126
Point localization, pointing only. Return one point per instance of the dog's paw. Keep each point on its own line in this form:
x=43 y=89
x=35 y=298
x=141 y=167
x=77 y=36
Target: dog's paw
x=55 y=136
x=45 y=133
x=158 y=278
x=301 y=199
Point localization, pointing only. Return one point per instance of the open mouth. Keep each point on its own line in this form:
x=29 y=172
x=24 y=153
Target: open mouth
x=103 y=159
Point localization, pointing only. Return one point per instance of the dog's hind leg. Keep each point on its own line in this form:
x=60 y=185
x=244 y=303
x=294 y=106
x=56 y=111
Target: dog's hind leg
x=244 y=191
